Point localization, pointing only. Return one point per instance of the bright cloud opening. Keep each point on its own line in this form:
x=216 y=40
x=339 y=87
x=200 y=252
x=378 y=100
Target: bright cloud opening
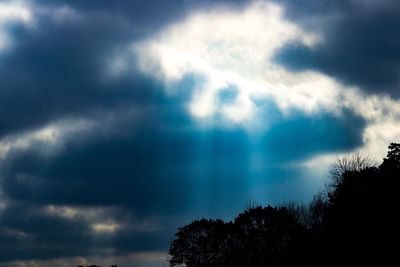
x=12 y=12
x=236 y=48
x=228 y=47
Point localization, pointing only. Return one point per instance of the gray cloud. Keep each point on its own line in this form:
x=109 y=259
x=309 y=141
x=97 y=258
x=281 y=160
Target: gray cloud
x=30 y=232
x=146 y=162
x=360 y=42
x=56 y=70
x=163 y=174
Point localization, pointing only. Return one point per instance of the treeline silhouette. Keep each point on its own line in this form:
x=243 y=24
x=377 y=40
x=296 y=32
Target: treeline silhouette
x=352 y=222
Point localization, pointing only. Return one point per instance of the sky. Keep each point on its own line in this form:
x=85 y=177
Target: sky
x=121 y=121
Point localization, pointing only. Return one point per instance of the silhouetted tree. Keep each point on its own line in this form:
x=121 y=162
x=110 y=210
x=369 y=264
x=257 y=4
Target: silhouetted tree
x=359 y=218
x=257 y=237
x=199 y=244
x=352 y=223
x=267 y=236
x=354 y=163
x=392 y=161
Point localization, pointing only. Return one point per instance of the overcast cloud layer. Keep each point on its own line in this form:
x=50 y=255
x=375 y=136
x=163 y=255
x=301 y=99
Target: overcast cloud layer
x=123 y=120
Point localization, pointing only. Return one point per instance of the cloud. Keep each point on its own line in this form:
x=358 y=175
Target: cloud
x=49 y=86
x=12 y=12
x=50 y=136
x=45 y=233
x=234 y=48
x=129 y=120
x=126 y=187
x=360 y=46
x=269 y=53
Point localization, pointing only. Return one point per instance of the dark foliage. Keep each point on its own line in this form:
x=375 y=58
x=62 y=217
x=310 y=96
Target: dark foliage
x=352 y=223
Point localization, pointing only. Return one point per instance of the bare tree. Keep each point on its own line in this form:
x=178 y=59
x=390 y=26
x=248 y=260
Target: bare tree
x=353 y=163
x=312 y=214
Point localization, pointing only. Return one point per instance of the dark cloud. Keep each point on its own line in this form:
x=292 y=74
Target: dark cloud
x=57 y=71
x=302 y=9
x=360 y=43
x=318 y=134
x=23 y=228
x=150 y=162
x=161 y=171
x=150 y=166
x=147 y=16
x=29 y=232
x=149 y=169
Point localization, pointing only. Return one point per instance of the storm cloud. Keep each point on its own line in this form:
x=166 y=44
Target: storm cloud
x=123 y=120
x=360 y=45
